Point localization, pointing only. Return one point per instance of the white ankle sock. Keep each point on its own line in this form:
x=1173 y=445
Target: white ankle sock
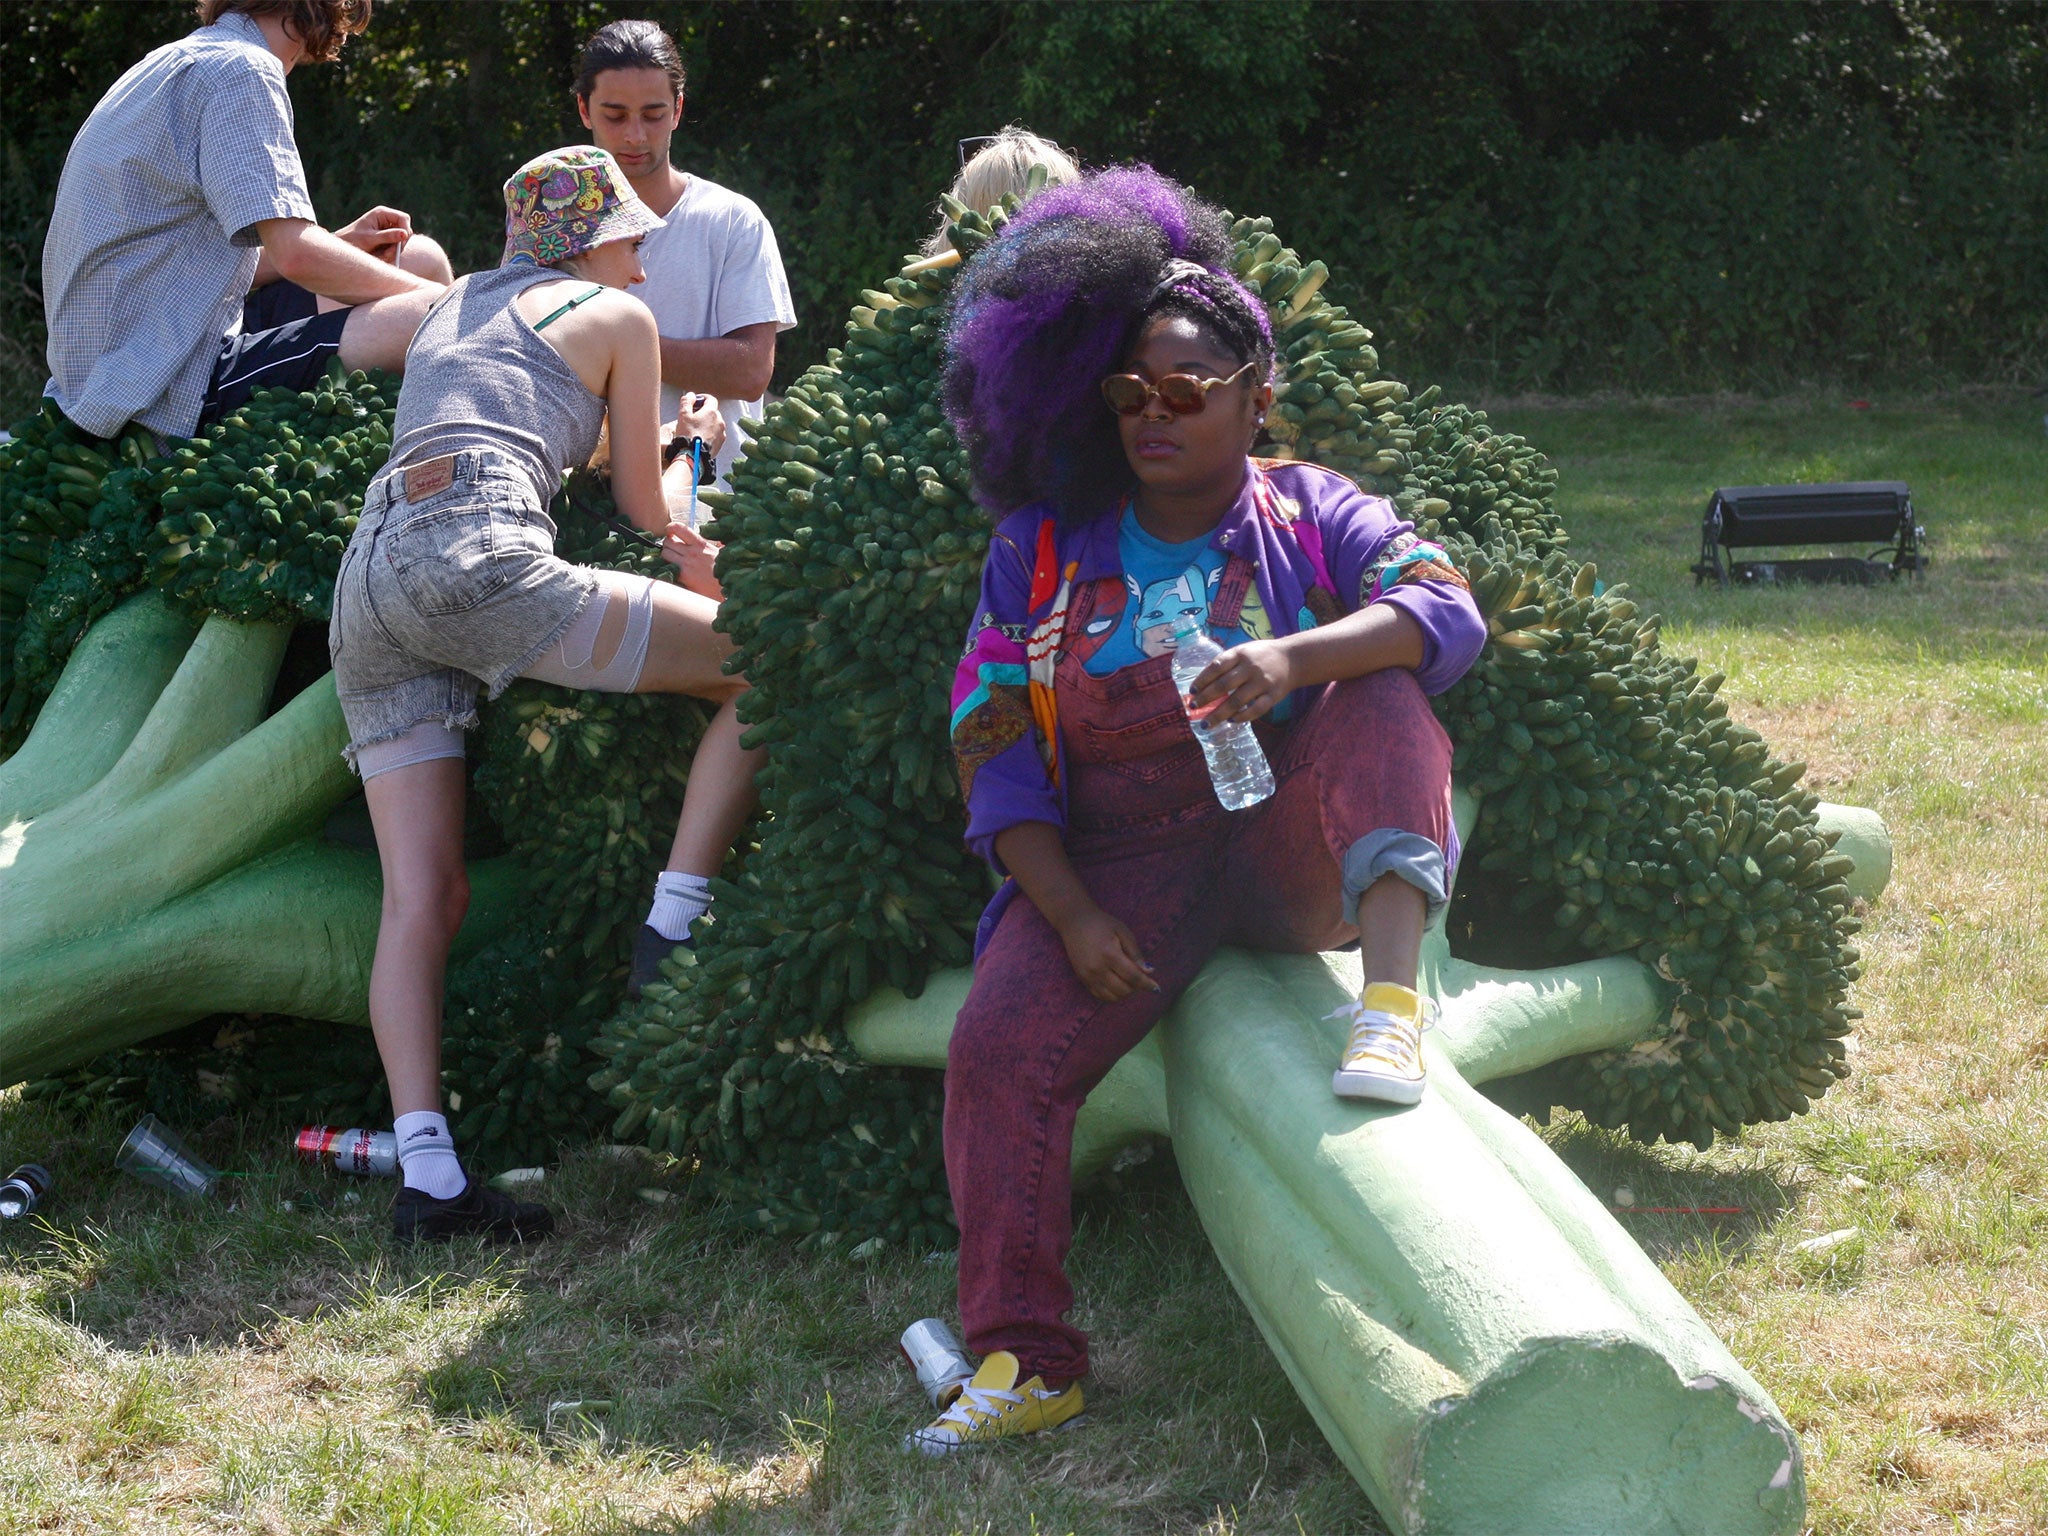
x=679 y=900
x=426 y=1154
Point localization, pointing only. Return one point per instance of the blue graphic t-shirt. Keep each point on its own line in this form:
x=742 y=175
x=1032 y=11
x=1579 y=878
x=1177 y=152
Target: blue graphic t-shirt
x=1162 y=582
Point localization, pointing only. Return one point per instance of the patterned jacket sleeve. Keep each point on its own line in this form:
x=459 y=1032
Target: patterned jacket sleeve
x=997 y=747
x=1375 y=557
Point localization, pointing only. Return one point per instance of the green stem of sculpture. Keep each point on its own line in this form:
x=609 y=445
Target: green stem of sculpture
x=1859 y=832
x=1446 y=1295
x=112 y=682
x=159 y=850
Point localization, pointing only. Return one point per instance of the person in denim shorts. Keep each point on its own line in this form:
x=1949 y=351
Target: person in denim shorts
x=451 y=585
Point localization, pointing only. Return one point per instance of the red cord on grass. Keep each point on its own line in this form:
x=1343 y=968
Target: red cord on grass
x=1680 y=1210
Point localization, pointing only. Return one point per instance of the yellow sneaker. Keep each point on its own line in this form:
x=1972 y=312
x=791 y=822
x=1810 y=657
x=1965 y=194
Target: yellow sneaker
x=1383 y=1060
x=996 y=1404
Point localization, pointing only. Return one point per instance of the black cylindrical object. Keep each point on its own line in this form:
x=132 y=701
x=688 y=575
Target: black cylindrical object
x=24 y=1190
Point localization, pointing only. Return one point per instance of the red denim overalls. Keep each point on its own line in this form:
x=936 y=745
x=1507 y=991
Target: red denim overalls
x=1154 y=848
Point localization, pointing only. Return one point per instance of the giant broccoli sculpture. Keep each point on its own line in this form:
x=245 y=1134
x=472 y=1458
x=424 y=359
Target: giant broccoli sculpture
x=1620 y=810
x=1473 y=1332
x=163 y=857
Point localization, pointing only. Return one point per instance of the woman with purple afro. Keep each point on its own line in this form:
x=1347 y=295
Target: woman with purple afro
x=1109 y=378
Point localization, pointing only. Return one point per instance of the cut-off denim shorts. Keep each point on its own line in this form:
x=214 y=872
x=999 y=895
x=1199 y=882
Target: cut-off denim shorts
x=438 y=597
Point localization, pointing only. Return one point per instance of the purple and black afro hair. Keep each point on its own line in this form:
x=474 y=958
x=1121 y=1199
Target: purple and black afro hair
x=1053 y=304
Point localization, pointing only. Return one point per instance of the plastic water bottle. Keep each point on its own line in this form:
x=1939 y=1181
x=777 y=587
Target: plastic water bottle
x=1237 y=765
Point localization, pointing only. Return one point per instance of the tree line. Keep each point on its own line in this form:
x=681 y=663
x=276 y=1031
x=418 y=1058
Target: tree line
x=1582 y=194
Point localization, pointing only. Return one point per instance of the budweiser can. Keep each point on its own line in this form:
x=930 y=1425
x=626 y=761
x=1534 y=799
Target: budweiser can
x=369 y=1154
x=941 y=1364
x=24 y=1190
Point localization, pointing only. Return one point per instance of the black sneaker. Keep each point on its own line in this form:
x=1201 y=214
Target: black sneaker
x=649 y=950
x=479 y=1211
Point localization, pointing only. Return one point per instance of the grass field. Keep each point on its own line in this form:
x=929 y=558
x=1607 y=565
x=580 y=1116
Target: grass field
x=270 y=1365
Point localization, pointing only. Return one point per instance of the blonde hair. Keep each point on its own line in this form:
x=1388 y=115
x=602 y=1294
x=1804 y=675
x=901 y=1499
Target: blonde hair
x=998 y=170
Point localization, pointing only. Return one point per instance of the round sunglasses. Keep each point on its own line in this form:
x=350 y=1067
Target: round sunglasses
x=1181 y=393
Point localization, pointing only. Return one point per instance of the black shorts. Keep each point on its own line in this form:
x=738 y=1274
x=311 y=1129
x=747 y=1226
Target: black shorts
x=278 y=303
x=291 y=355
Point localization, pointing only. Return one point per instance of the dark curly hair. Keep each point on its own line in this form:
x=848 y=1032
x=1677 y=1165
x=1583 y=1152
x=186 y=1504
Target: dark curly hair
x=321 y=26
x=1054 y=303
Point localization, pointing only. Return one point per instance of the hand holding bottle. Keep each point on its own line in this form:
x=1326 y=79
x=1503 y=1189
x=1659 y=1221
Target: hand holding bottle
x=1244 y=683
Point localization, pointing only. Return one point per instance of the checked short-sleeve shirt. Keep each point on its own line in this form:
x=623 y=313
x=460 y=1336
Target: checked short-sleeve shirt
x=152 y=244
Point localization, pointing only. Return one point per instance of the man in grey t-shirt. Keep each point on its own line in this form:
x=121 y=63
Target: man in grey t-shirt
x=185 y=169
x=714 y=275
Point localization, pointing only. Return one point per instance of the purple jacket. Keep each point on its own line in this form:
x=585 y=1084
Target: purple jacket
x=1314 y=546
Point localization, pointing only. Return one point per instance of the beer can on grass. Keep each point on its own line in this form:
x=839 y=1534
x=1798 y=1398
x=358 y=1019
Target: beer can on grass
x=941 y=1364
x=367 y=1154
x=24 y=1190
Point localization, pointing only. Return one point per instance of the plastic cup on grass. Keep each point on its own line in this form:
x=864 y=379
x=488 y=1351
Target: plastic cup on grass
x=155 y=1154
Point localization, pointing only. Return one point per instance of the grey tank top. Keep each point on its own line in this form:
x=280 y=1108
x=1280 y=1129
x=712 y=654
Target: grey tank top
x=477 y=376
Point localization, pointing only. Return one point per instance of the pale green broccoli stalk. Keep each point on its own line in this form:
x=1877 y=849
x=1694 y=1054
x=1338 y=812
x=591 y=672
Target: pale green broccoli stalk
x=160 y=848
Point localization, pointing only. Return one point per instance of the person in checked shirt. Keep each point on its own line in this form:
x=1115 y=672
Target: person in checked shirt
x=180 y=179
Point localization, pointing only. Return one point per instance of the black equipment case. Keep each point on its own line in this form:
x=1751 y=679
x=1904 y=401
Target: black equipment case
x=1780 y=516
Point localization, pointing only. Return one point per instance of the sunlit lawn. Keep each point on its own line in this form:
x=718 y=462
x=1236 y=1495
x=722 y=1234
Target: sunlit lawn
x=1914 y=1357
x=268 y=1364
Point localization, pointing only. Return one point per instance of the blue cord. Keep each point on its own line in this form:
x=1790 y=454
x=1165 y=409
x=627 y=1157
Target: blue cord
x=696 y=474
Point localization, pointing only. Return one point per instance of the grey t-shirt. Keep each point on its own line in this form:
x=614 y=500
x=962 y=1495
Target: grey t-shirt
x=711 y=268
x=151 y=246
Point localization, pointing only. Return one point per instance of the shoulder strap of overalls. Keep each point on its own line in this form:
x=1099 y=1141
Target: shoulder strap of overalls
x=1237 y=580
x=1042 y=645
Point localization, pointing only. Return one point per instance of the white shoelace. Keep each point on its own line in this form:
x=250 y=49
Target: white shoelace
x=973 y=1400
x=1381 y=1034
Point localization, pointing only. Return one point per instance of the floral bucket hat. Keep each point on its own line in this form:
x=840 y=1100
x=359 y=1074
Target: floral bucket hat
x=568 y=201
